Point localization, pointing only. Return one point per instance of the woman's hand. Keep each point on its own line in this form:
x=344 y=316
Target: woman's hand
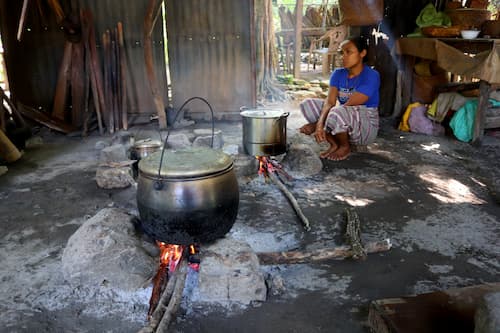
x=320 y=134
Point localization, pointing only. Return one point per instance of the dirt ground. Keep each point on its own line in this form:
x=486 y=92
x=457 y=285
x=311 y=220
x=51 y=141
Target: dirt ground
x=435 y=198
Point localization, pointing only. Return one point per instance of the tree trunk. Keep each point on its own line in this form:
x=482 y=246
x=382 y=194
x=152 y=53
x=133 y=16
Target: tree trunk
x=266 y=53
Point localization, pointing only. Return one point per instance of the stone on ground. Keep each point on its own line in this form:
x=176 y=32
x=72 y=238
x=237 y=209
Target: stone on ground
x=230 y=273
x=106 y=250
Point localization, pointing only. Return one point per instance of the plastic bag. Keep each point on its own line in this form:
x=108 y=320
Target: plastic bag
x=419 y=123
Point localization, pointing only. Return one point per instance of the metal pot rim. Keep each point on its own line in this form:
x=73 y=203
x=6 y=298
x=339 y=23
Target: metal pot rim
x=264 y=113
x=147 y=144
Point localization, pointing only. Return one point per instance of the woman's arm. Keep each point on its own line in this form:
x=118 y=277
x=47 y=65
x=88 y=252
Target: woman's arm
x=357 y=98
x=330 y=101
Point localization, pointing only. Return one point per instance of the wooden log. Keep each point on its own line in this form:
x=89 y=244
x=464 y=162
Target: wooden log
x=86 y=96
x=45 y=120
x=115 y=73
x=159 y=282
x=77 y=84
x=123 y=78
x=148 y=59
x=8 y=151
x=175 y=300
x=85 y=20
x=353 y=234
x=169 y=300
x=291 y=199
x=341 y=252
x=96 y=70
x=107 y=81
x=59 y=107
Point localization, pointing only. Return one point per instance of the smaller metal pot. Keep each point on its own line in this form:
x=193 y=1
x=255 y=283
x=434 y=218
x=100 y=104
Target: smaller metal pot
x=264 y=131
x=144 y=148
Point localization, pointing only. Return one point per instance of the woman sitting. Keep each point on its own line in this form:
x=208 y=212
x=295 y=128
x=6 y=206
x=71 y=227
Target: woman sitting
x=355 y=119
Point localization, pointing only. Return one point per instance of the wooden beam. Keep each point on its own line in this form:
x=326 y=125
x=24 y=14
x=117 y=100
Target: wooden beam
x=299 y=6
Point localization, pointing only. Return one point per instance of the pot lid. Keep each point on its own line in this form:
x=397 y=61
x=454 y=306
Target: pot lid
x=186 y=163
x=263 y=113
x=147 y=144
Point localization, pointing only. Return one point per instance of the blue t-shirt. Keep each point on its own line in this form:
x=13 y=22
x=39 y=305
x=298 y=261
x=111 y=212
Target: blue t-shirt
x=367 y=83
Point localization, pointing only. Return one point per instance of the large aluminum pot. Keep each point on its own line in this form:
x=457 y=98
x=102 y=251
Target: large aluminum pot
x=264 y=131
x=193 y=198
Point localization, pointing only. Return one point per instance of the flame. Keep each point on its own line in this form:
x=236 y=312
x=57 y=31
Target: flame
x=269 y=165
x=170 y=254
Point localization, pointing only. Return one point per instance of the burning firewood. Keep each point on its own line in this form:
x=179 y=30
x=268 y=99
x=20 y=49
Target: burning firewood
x=271 y=169
x=165 y=300
x=169 y=258
x=341 y=252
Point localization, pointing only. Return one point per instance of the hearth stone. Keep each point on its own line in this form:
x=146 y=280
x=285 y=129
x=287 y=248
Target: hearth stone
x=107 y=251
x=229 y=273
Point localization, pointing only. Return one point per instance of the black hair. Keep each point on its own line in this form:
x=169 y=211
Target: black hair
x=360 y=42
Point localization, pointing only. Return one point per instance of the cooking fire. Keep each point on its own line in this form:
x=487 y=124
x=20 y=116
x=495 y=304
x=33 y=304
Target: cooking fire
x=167 y=287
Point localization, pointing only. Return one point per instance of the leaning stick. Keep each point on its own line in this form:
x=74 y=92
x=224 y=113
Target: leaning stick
x=176 y=298
x=158 y=313
x=292 y=200
x=169 y=300
x=341 y=252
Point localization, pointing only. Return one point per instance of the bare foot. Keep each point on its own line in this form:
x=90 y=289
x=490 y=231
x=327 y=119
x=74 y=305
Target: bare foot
x=308 y=129
x=340 y=154
x=328 y=152
x=333 y=147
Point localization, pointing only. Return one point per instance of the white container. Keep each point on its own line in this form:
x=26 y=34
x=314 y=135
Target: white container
x=469 y=34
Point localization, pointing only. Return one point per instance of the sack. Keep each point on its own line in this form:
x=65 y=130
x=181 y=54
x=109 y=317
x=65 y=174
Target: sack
x=419 y=123
x=361 y=12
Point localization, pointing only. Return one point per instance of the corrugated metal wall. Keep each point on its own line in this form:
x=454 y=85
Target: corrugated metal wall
x=211 y=54
x=33 y=64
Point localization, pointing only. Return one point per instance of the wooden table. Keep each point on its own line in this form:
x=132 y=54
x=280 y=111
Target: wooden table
x=453 y=55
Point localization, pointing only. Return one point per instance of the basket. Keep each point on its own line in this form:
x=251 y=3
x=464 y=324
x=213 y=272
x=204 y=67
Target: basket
x=468 y=18
x=437 y=31
x=491 y=28
x=361 y=12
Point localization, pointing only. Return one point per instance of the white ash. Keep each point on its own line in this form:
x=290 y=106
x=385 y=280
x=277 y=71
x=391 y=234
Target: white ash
x=440 y=269
x=304 y=277
x=452 y=230
x=443 y=283
x=265 y=241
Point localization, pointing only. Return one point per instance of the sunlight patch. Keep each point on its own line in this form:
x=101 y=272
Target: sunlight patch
x=450 y=190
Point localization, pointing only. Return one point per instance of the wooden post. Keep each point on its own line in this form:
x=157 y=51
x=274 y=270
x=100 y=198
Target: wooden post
x=59 y=108
x=482 y=105
x=299 y=5
x=148 y=59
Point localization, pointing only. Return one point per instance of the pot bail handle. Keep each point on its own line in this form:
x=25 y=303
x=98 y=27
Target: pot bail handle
x=158 y=184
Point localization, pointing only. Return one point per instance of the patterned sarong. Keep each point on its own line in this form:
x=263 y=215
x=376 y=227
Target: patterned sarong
x=360 y=122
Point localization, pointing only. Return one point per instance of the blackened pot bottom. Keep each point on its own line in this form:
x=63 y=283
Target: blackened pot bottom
x=185 y=228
